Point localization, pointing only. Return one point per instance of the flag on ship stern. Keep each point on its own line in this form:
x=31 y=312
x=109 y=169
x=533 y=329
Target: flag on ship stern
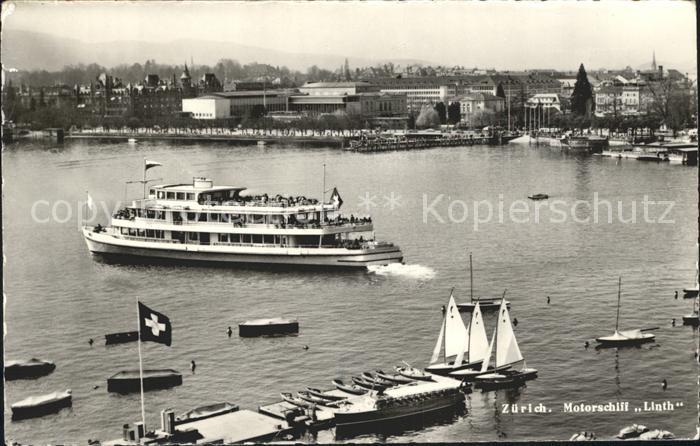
x=150 y=164
x=335 y=198
x=154 y=326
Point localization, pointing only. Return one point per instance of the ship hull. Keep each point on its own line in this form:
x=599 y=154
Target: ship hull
x=350 y=421
x=109 y=247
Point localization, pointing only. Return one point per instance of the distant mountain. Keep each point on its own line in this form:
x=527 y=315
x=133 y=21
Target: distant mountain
x=30 y=50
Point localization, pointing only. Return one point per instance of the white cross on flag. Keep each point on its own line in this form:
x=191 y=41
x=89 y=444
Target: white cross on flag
x=154 y=326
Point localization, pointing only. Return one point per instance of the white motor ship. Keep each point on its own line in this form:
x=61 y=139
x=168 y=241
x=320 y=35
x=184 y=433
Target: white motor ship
x=202 y=222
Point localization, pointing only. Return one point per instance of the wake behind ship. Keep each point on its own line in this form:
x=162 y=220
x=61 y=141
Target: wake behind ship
x=200 y=222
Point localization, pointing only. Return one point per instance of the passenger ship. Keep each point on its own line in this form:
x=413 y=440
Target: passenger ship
x=202 y=222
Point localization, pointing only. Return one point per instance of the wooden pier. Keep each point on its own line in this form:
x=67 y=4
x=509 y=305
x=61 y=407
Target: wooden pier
x=387 y=145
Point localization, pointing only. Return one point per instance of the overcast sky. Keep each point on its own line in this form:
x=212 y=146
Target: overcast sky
x=554 y=34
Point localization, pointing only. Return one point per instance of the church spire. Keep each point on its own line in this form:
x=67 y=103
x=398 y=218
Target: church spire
x=653 y=61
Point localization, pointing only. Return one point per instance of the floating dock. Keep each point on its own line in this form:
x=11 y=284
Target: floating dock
x=238 y=427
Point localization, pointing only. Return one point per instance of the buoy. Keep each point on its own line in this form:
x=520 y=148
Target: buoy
x=193 y=365
x=585 y=345
x=306 y=347
x=675 y=295
x=548 y=299
x=229 y=332
x=91 y=342
x=515 y=321
x=664 y=384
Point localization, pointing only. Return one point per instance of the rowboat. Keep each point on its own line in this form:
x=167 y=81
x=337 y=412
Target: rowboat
x=204 y=412
x=295 y=400
x=268 y=327
x=32 y=368
x=128 y=381
x=37 y=406
x=349 y=388
x=413 y=373
x=376 y=379
x=306 y=396
x=324 y=395
x=538 y=197
x=369 y=385
x=395 y=377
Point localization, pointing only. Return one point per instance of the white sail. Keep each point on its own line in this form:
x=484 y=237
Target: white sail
x=455 y=331
x=478 y=341
x=507 y=350
x=438 y=344
x=485 y=364
x=462 y=351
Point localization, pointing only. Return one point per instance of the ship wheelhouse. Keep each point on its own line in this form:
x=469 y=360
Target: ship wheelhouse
x=203 y=214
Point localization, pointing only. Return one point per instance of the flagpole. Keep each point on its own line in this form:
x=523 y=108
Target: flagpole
x=144 y=178
x=143 y=411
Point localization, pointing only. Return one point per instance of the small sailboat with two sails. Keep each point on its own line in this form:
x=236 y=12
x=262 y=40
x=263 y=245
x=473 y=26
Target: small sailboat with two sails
x=507 y=357
x=468 y=345
x=625 y=337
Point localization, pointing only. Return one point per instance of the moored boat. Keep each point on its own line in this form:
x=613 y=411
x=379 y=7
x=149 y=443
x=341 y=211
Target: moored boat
x=295 y=400
x=37 y=406
x=325 y=395
x=378 y=379
x=128 y=381
x=204 y=412
x=367 y=384
x=201 y=222
x=507 y=357
x=268 y=327
x=306 y=396
x=624 y=337
x=349 y=388
x=538 y=197
x=395 y=377
x=413 y=373
x=28 y=369
x=690 y=292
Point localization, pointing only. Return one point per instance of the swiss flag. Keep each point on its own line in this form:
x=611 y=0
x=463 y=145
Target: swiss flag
x=154 y=326
x=335 y=198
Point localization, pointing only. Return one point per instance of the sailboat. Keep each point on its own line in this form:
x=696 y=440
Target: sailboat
x=456 y=340
x=477 y=347
x=625 y=337
x=507 y=354
x=486 y=304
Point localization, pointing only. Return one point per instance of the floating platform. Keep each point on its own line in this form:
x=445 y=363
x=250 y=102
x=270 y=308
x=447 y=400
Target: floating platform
x=37 y=406
x=268 y=327
x=238 y=427
x=128 y=381
x=29 y=369
x=121 y=338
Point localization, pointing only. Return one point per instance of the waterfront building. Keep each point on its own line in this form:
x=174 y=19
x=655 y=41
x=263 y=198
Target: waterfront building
x=477 y=103
x=336 y=88
x=552 y=101
x=207 y=107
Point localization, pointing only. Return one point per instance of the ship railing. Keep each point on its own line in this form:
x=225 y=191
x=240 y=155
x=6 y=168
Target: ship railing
x=147 y=239
x=235 y=224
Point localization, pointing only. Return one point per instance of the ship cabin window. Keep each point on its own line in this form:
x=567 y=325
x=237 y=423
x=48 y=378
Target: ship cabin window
x=161 y=194
x=257 y=238
x=202 y=216
x=257 y=219
x=223 y=238
x=150 y=233
x=193 y=236
x=152 y=192
x=171 y=195
x=268 y=239
x=214 y=217
x=160 y=215
x=125 y=231
x=246 y=238
x=225 y=218
x=180 y=195
x=190 y=196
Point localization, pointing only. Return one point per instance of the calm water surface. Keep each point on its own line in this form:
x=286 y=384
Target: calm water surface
x=58 y=296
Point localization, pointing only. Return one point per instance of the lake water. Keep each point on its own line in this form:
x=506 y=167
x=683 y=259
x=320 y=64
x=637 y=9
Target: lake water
x=58 y=296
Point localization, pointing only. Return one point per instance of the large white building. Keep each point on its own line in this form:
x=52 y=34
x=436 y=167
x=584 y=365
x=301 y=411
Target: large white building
x=207 y=107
